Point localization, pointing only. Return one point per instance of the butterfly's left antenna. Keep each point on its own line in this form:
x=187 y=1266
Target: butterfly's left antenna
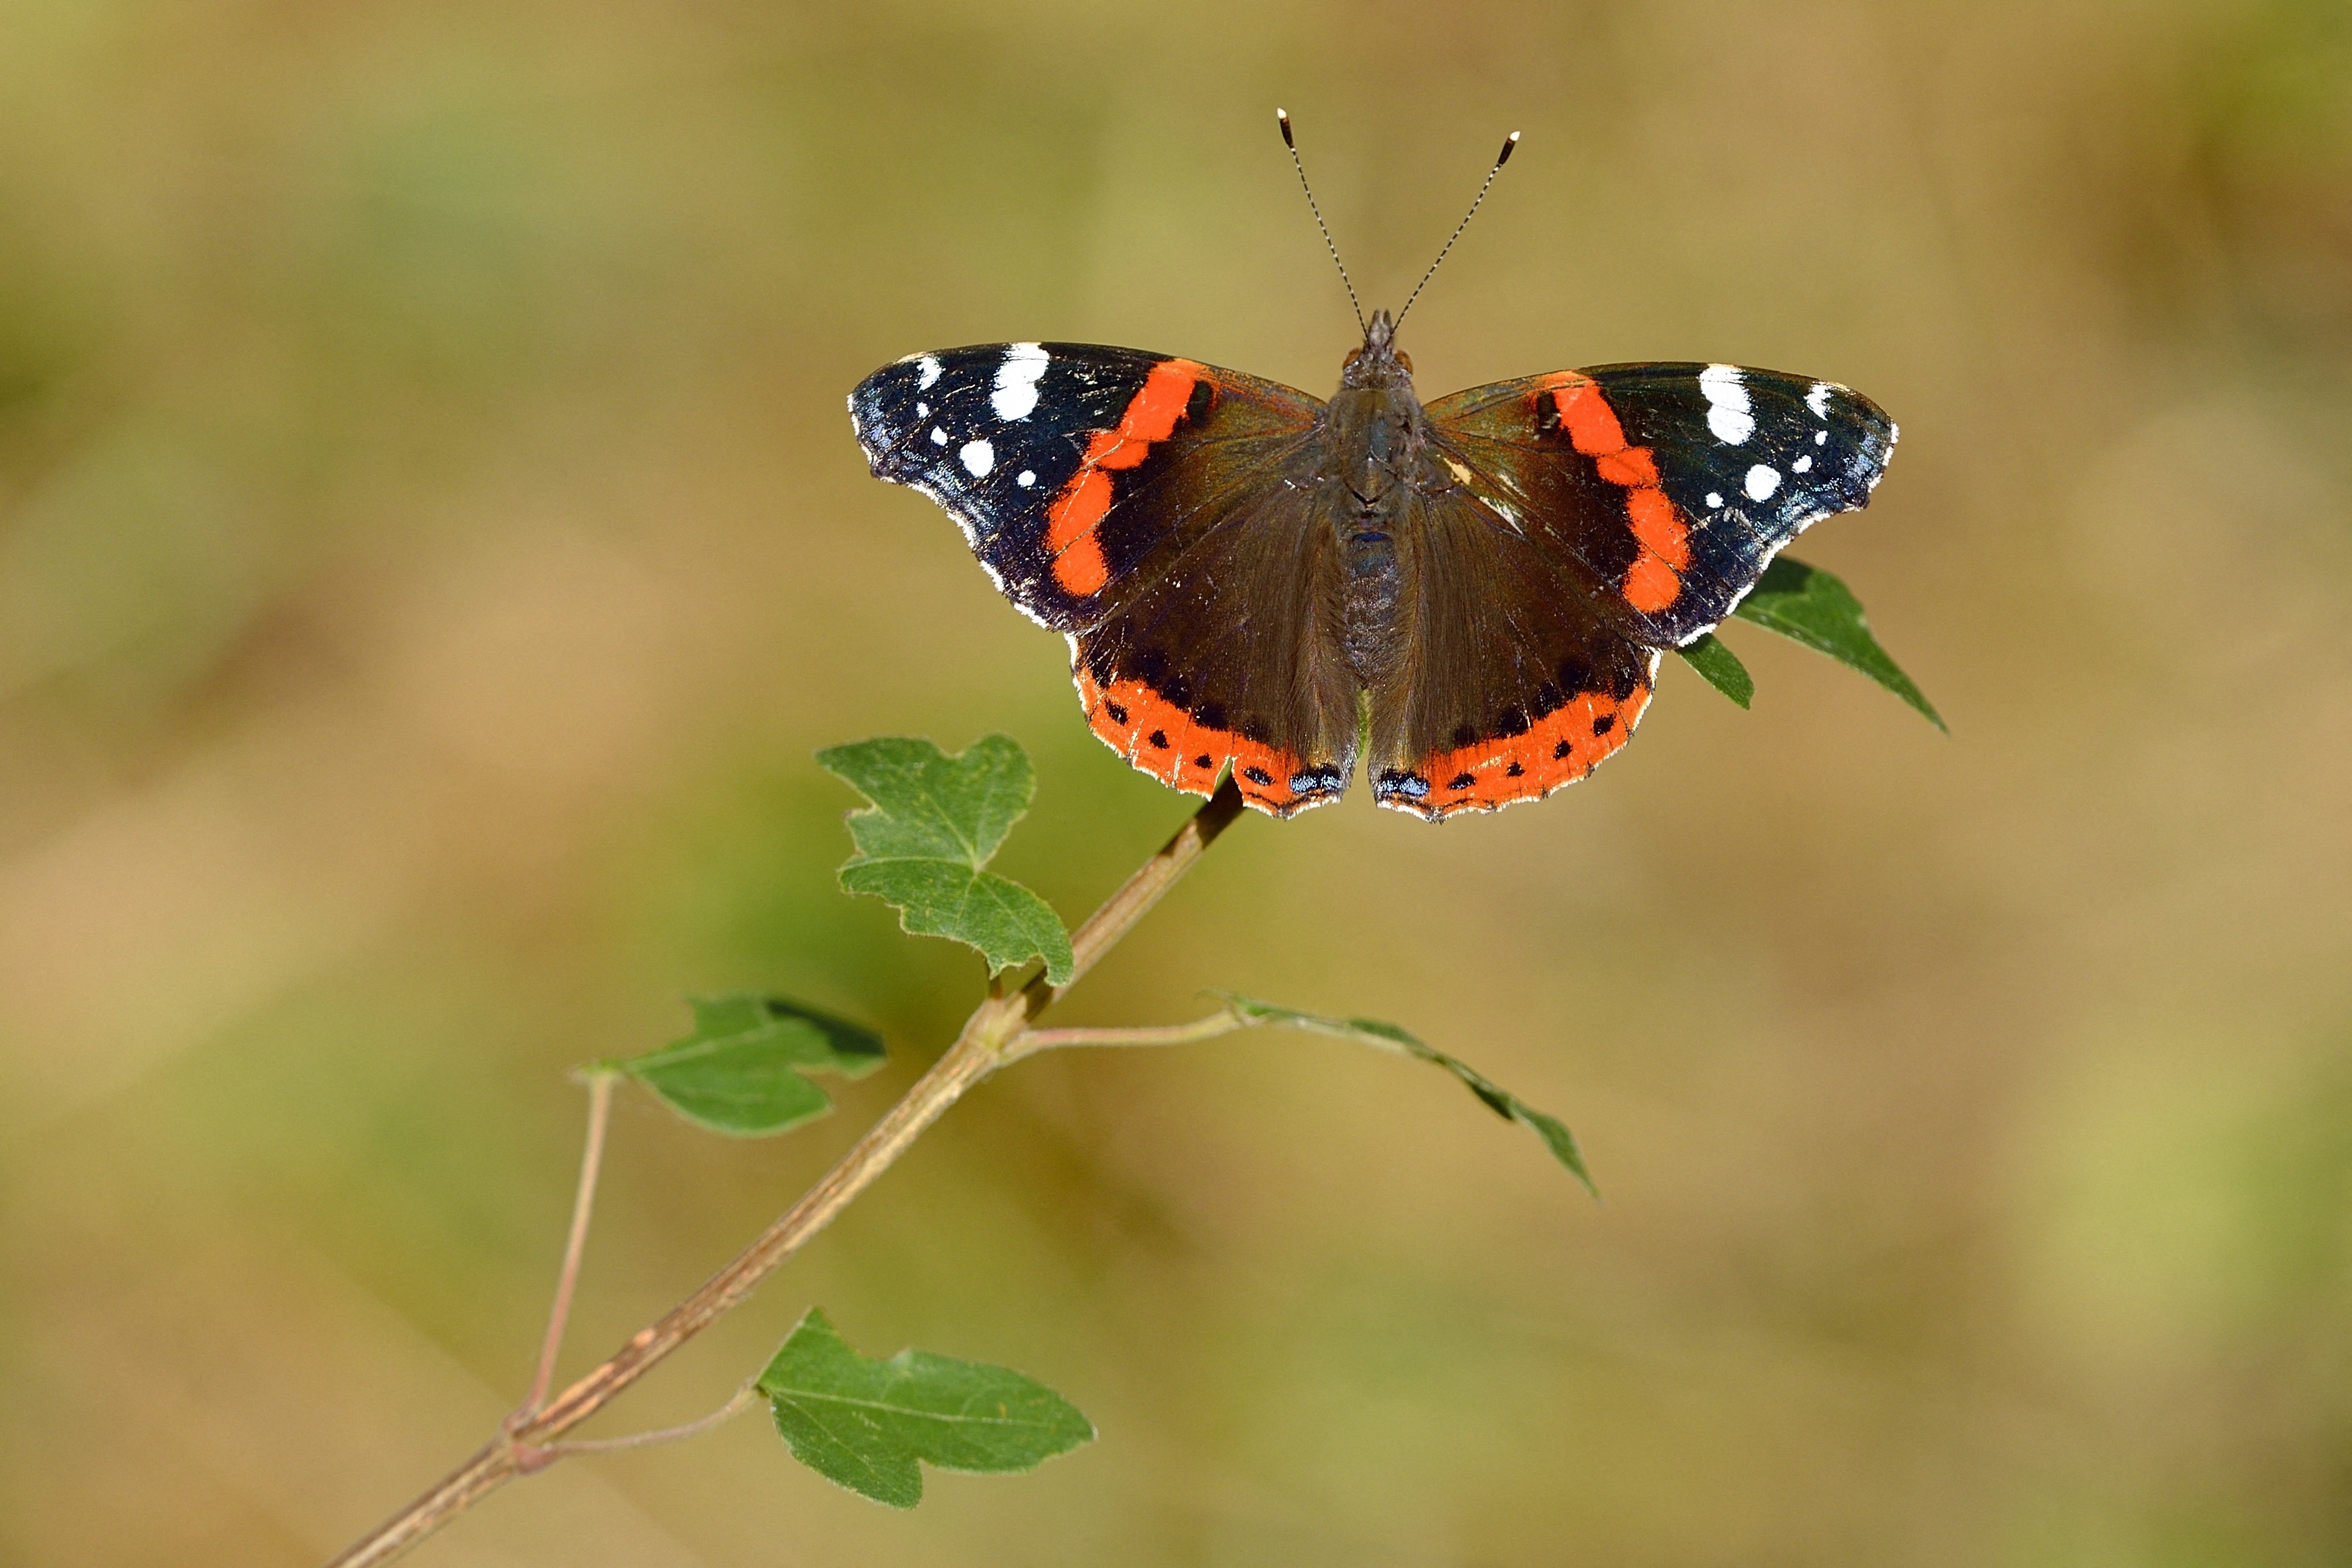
x=1282 y=117
x=1501 y=158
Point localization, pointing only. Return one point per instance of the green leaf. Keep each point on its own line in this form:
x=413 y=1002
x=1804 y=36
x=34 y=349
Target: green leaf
x=1721 y=667
x=1389 y=1037
x=740 y=1072
x=1806 y=605
x=864 y=1424
x=924 y=845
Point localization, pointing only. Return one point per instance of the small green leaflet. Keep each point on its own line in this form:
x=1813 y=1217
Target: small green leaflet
x=1721 y=667
x=1389 y=1037
x=740 y=1072
x=924 y=845
x=1806 y=605
x=864 y=1424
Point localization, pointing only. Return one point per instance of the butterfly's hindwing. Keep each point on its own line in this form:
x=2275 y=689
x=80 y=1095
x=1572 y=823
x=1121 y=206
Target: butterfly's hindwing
x=1233 y=654
x=1519 y=682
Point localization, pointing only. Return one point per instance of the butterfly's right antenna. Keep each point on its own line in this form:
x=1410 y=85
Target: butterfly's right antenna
x=1510 y=144
x=1282 y=117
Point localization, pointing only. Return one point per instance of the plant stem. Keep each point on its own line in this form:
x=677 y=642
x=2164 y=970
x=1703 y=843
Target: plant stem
x=718 y=1417
x=583 y=1205
x=1208 y=1028
x=528 y=1442
x=1139 y=893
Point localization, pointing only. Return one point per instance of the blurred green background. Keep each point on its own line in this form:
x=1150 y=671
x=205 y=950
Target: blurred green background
x=432 y=545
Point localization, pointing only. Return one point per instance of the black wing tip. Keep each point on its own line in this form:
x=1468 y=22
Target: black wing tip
x=881 y=414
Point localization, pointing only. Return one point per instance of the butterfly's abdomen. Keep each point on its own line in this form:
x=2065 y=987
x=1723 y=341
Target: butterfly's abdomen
x=1369 y=608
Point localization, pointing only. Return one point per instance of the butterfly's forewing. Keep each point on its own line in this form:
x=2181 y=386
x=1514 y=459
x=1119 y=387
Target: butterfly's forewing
x=1037 y=450
x=1134 y=502
x=1674 y=484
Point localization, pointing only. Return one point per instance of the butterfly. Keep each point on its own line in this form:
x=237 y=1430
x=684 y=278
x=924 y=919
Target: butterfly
x=1468 y=598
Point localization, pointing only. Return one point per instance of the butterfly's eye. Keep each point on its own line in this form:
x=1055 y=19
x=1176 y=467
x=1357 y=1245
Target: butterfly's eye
x=1405 y=360
x=1349 y=363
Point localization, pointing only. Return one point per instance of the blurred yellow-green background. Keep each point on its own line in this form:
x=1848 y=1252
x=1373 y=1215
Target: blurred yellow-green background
x=432 y=545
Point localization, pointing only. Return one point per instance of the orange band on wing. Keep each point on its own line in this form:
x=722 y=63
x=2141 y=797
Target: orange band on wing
x=1591 y=424
x=1082 y=569
x=1557 y=749
x=1651 y=584
x=1630 y=468
x=1658 y=524
x=1079 y=565
x=1074 y=512
x=1159 y=738
x=1654 y=579
x=1150 y=415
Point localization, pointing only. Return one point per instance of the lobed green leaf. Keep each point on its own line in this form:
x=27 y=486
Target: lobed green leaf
x=924 y=844
x=1721 y=667
x=1806 y=605
x=1400 y=1042
x=864 y=1424
x=741 y=1070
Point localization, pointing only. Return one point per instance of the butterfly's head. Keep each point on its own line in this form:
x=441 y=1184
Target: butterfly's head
x=1377 y=363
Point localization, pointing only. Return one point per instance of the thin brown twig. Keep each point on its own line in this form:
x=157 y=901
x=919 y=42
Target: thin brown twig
x=583 y=1205
x=983 y=1045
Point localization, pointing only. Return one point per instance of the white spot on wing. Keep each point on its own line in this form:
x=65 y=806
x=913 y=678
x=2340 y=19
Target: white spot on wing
x=1016 y=381
x=978 y=457
x=1803 y=465
x=1817 y=399
x=1821 y=437
x=1714 y=498
x=939 y=437
x=1726 y=404
x=1763 y=480
x=930 y=372
x=922 y=411
x=1024 y=478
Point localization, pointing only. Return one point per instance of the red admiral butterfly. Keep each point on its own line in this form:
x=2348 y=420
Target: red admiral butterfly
x=1475 y=593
